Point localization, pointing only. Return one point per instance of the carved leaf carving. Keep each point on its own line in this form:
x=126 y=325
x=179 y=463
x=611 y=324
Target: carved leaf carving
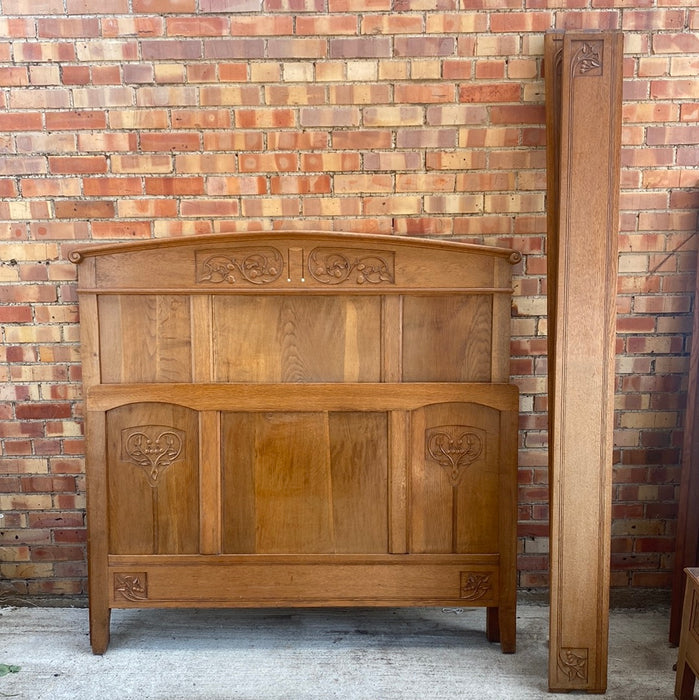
x=254 y=265
x=588 y=59
x=475 y=585
x=573 y=663
x=338 y=265
x=133 y=587
x=454 y=447
x=152 y=447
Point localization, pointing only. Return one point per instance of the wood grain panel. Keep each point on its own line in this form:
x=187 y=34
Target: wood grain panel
x=455 y=479
x=583 y=344
x=153 y=479
x=145 y=338
x=297 y=339
x=359 y=468
x=447 y=339
x=293 y=480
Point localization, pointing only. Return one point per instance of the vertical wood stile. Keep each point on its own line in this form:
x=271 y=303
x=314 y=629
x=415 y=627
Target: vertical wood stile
x=399 y=440
x=687 y=548
x=202 y=338
x=97 y=543
x=391 y=338
x=210 y=506
x=584 y=259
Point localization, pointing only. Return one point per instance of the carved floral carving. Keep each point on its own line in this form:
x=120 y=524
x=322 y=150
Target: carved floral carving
x=475 y=585
x=454 y=447
x=338 y=265
x=152 y=447
x=133 y=587
x=588 y=59
x=573 y=664
x=254 y=265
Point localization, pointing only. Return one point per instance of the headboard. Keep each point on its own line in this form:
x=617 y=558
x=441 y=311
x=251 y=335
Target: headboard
x=286 y=418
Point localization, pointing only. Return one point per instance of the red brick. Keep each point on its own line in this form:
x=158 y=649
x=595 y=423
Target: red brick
x=68 y=209
x=121 y=229
x=235 y=48
x=197 y=26
x=61 y=121
x=172 y=141
x=490 y=92
x=164 y=6
x=71 y=27
x=233 y=141
x=67 y=165
x=412 y=93
x=111 y=186
x=261 y=25
x=201 y=119
x=174 y=185
x=180 y=49
x=229 y=5
x=362 y=47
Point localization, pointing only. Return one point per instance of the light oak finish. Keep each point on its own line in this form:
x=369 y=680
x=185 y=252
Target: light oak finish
x=583 y=76
x=281 y=419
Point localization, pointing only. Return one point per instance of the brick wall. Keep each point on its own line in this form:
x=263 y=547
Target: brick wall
x=128 y=119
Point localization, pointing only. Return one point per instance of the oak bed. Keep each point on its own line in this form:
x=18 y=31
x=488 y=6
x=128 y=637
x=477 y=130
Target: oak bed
x=299 y=419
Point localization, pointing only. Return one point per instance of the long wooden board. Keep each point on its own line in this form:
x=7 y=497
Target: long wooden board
x=584 y=87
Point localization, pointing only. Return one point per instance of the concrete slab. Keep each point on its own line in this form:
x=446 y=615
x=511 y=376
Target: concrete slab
x=322 y=653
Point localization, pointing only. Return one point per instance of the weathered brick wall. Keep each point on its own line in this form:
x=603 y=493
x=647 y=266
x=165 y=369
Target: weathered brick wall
x=123 y=119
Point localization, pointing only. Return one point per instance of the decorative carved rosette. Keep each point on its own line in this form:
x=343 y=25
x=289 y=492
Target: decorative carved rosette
x=454 y=447
x=338 y=265
x=254 y=265
x=153 y=448
x=132 y=587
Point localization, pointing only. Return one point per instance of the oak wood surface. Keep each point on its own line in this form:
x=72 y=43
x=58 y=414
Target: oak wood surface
x=583 y=262
x=299 y=419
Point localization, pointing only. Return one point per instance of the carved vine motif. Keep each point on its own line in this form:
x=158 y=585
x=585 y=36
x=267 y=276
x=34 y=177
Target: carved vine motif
x=152 y=447
x=453 y=447
x=573 y=663
x=588 y=59
x=133 y=587
x=336 y=265
x=255 y=265
x=475 y=585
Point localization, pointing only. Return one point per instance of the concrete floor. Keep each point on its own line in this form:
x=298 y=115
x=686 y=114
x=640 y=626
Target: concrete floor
x=297 y=654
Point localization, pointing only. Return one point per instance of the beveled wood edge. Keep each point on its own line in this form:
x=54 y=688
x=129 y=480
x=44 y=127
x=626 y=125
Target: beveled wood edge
x=78 y=253
x=304 y=397
x=158 y=560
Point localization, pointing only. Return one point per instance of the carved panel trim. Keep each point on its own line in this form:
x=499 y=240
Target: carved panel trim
x=131 y=587
x=587 y=60
x=153 y=448
x=262 y=265
x=572 y=664
x=340 y=265
x=475 y=585
x=454 y=448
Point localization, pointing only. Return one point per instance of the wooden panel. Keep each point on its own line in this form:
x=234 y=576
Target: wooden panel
x=145 y=339
x=687 y=547
x=291 y=261
x=447 y=339
x=455 y=479
x=288 y=581
x=295 y=397
x=292 y=482
x=297 y=339
x=583 y=344
x=153 y=479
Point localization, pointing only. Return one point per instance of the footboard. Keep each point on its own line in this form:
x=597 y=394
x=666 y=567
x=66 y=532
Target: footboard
x=289 y=419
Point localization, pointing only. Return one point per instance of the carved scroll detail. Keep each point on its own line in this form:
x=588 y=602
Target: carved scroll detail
x=588 y=59
x=475 y=585
x=454 y=447
x=338 y=265
x=254 y=265
x=153 y=448
x=133 y=587
x=573 y=664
